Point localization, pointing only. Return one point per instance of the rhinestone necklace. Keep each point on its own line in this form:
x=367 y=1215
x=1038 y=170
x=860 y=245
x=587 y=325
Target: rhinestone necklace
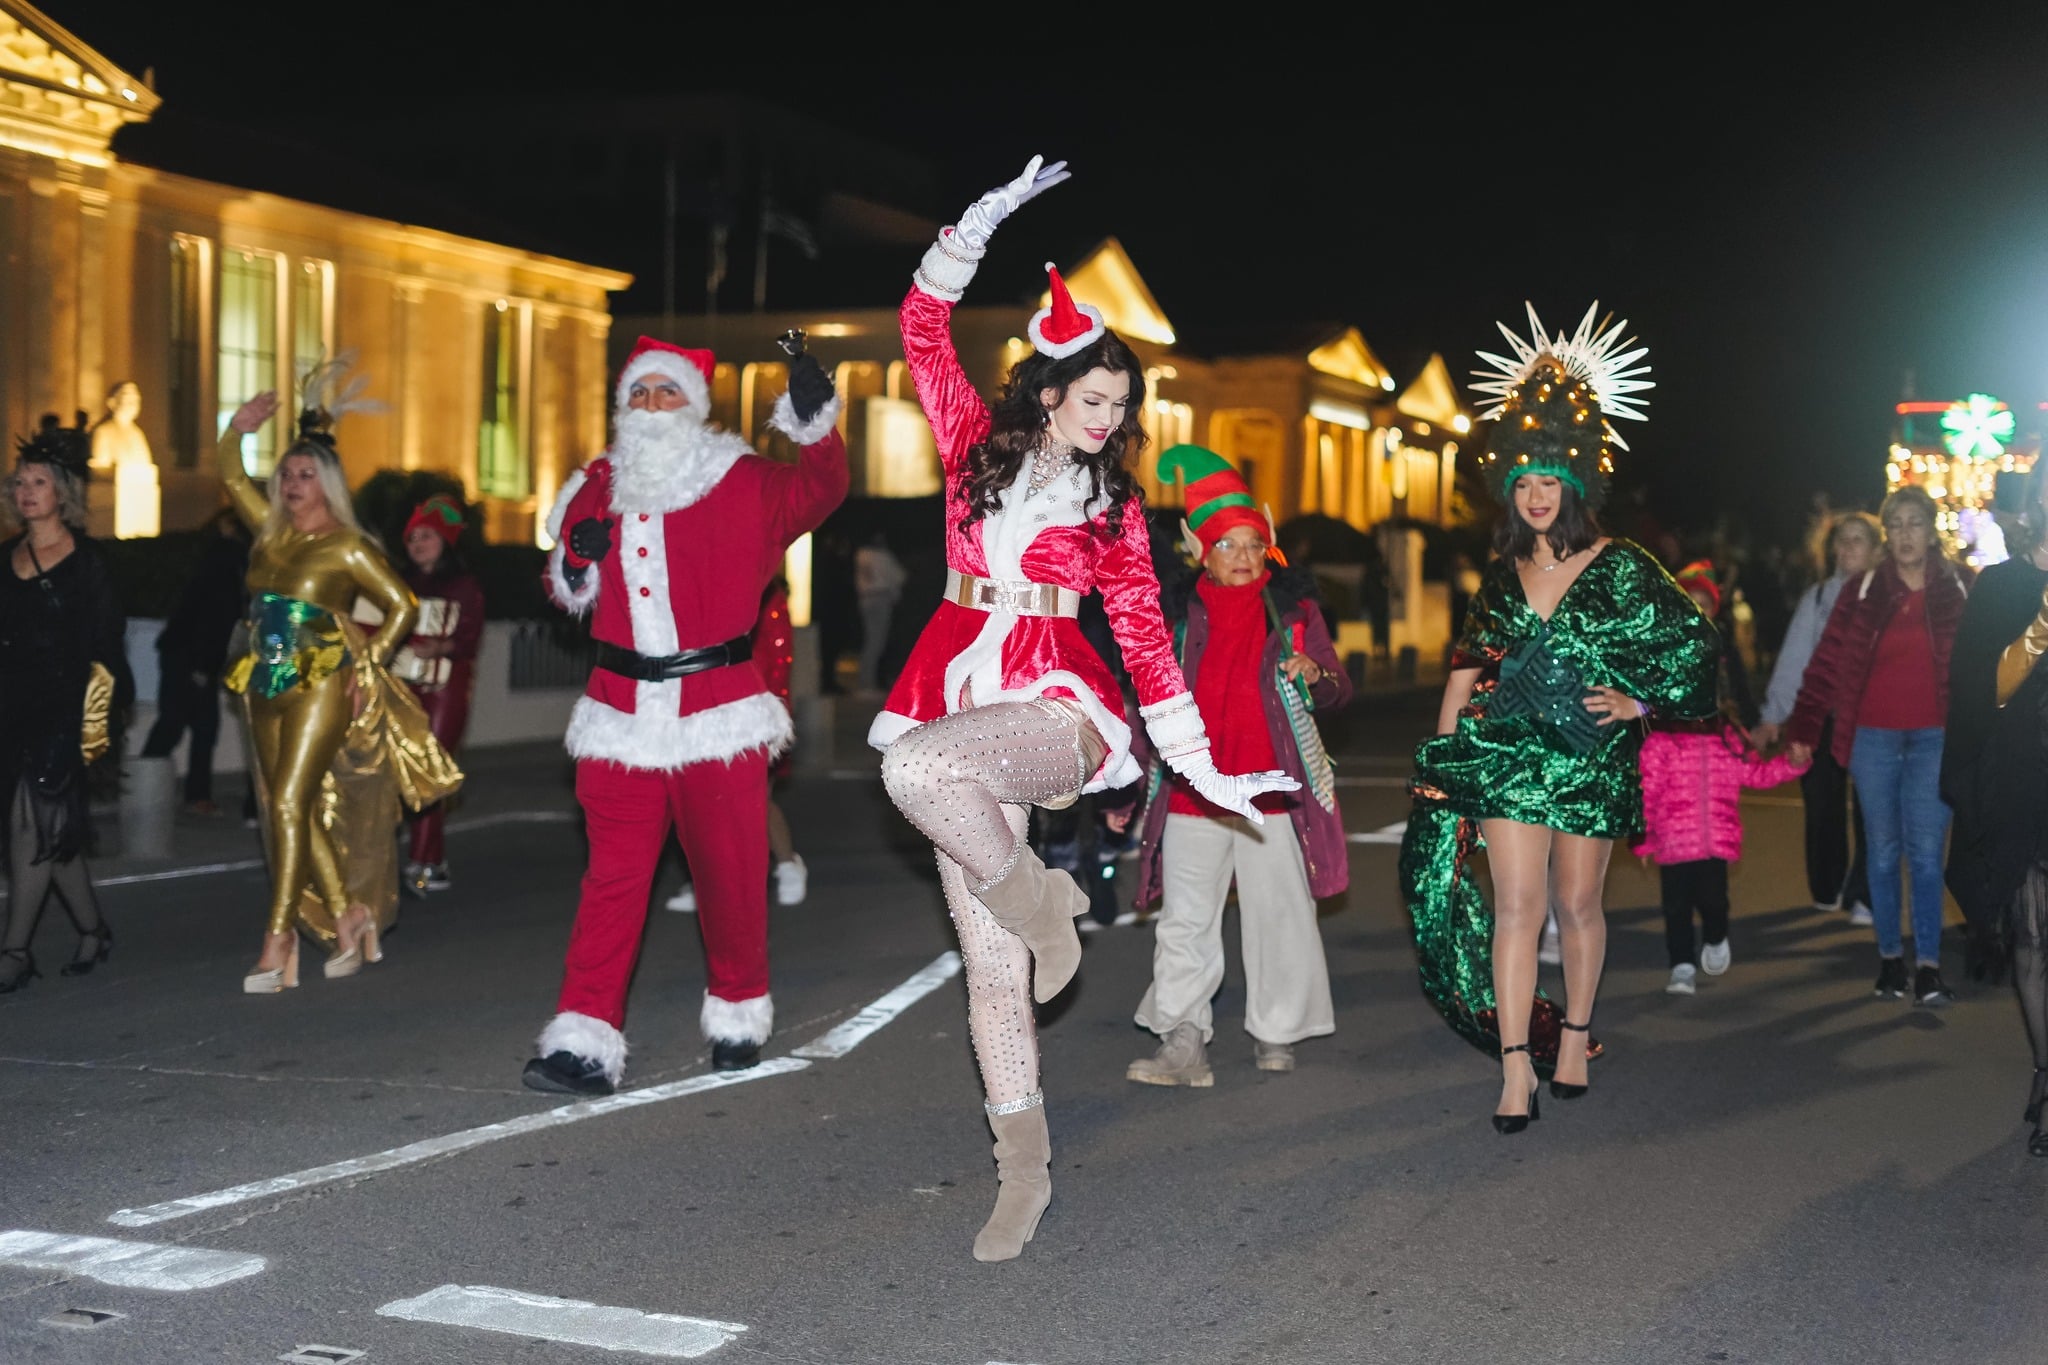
x=1048 y=462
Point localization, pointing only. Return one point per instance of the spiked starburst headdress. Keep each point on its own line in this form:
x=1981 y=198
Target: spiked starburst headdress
x=1553 y=398
x=326 y=392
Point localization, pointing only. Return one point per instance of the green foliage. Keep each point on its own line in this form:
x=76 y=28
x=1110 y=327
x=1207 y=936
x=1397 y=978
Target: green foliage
x=387 y=499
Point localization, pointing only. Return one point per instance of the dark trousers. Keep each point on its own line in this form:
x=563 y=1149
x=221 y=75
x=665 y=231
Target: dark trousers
x=1697 y=887
x=186 y=699
x=1836 y=868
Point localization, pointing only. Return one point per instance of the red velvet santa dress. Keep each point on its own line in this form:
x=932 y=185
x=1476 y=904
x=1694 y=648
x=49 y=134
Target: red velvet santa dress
x=698 y=526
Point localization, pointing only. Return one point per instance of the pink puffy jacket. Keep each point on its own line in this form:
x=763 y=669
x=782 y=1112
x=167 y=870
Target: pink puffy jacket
x=1692 y=792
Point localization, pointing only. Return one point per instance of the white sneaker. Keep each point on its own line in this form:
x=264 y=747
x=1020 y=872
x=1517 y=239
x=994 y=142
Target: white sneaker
x=1860 y=915
x=791 y=880
x=1681 y=982
x=1828 y=905
x=684 y=900
x=1714 y=957
x=1548 y=950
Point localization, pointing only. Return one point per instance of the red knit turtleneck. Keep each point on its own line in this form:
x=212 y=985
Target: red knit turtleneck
x=1227 y=692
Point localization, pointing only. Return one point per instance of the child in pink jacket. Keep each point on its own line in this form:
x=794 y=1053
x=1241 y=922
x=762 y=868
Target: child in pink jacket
x=1693 y=774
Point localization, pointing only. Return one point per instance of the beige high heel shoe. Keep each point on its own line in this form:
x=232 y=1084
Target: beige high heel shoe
x=276 y=978
x=368 y=948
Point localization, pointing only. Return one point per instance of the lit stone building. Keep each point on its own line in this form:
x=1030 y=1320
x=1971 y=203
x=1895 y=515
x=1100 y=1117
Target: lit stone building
x=490 y=359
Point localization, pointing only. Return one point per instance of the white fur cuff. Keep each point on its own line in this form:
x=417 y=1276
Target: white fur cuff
x=587 y=1037
x=738 y=1021
x=784 y=420
x=946 y=270
x=1175 y=725
x=570 y=597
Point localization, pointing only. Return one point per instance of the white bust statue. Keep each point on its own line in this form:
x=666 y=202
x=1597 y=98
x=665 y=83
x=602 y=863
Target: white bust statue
x=116 y=439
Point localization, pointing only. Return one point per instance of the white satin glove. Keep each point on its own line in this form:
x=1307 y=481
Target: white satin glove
x=1177 y=732
x=985 y=214
x=949 y=263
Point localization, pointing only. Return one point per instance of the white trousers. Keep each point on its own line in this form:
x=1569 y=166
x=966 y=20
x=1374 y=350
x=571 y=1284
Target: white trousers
x=1287 y=980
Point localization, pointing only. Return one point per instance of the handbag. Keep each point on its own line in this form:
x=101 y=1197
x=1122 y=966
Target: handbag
x=1536 y=681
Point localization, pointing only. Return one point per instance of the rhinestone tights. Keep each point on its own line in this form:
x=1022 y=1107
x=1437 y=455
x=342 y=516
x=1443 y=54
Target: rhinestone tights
x=965 y=781
x=2030 y=957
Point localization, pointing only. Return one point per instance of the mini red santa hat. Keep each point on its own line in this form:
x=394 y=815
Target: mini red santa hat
x=1064 y=327
x=690 y=369
x=1698 y=577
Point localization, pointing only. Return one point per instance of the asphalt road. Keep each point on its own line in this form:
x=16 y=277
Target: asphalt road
x=1779 y=1169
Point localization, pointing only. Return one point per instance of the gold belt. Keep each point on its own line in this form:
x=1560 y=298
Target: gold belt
x=1019 y=597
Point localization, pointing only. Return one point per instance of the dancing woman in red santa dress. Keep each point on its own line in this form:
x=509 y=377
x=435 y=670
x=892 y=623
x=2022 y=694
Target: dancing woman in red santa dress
x=1003 y=703
x=676 y=725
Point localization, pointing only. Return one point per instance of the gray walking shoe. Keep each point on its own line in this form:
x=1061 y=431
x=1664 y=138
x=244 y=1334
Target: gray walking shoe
x=1272 y=1056
x=1182 y=1059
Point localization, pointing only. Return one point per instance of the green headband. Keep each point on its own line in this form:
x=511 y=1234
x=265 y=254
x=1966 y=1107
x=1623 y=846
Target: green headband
x=1217 y=504
x=1561 y=472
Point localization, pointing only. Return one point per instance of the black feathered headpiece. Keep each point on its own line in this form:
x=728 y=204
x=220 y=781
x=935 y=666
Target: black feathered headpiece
x=66 y=448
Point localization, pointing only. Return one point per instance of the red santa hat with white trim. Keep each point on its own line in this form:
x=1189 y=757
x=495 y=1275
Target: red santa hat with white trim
x=688 y=368
x=1064 y=327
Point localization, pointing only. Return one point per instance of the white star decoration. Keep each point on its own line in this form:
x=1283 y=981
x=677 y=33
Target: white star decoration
x=1593 y=354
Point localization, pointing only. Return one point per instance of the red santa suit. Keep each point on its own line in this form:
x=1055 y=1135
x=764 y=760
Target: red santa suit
x=1056 y=536
x=697 y=532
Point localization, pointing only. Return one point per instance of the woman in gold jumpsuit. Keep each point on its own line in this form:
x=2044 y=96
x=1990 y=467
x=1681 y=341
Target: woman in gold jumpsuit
x=309 y=564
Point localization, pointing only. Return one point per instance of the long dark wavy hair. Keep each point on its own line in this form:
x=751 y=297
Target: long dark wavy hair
x=1572 y=530
x=1019 y=420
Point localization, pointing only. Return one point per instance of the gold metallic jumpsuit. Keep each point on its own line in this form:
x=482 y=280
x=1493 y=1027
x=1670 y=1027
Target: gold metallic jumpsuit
x=298 y=731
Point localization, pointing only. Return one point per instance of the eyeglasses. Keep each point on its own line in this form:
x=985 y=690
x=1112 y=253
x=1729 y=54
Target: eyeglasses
x=1252 y=548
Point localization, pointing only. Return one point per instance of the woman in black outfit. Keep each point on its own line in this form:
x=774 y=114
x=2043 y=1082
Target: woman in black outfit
x=61 y=658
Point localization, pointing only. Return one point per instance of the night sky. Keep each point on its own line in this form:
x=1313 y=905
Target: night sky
x=1792 y=224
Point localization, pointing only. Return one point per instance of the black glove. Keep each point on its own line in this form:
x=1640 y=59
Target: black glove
x=810 y=388
x=591 y=538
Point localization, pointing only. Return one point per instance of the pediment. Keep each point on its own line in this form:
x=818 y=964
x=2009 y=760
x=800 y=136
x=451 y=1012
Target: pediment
x=1432 y=396
x=1346 y=356
x=57 y=95
x=1107 y=280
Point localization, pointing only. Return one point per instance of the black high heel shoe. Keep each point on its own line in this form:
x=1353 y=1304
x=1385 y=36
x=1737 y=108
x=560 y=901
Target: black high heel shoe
x=104 y=940
x=1564 y=1090
x=19 y=977
x=1505 y=1124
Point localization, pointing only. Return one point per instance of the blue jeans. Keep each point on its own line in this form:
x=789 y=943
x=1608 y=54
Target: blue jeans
x=1898 y=780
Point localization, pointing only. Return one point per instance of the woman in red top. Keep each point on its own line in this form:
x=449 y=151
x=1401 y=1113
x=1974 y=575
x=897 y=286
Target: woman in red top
x=1881 y=673
x=1003 y=703
x=438 y=662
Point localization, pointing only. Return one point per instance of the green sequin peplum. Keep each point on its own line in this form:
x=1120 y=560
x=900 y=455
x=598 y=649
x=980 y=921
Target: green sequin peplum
x=1624 y=623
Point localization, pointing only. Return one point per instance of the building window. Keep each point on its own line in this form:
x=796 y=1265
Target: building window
x=188 y=285
x=248 y=350
x=312 y=317
x=502 y=469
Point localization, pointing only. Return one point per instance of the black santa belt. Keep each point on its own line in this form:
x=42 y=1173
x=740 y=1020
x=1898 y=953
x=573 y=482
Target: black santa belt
x=659 y=668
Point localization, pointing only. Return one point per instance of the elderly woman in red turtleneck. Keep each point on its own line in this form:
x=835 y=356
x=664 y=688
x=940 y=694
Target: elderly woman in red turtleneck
x=1258 y=658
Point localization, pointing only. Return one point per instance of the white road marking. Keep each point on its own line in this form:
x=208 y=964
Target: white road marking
x=568 y=1320
x=1390 y=834
x=130 y=1265
x=843 y=1038
x=431 y=1148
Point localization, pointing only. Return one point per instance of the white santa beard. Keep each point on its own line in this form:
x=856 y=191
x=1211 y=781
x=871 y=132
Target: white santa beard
x=662 y=461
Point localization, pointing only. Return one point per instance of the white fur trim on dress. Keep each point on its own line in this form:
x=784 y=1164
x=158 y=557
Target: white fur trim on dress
x=888 y=727
x=570 y=488
x=669 y=365
x=1059 y=350
x=784 y=420
x=587 y=1037
x=570 y=597
x=659 y=740
x=738 y=1021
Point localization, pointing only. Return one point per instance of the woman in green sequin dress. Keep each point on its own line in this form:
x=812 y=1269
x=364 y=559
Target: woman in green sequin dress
x=1592 y=634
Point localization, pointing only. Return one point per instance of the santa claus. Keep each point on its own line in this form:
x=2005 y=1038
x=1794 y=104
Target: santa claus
x=671 y=537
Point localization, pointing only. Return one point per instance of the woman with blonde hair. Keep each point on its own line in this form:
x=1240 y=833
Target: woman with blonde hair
x=311 y=676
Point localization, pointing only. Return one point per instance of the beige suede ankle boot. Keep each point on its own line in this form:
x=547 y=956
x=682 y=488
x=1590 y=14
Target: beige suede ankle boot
x=1038 y=905
x=1024 y=1170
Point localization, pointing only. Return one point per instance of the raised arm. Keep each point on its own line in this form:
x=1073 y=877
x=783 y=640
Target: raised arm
x=956 y=412
x=250 y=504
x=802 y=495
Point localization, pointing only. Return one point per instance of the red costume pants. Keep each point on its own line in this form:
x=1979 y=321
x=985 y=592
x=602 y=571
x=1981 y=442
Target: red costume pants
x=447 y=708
x=719 y=810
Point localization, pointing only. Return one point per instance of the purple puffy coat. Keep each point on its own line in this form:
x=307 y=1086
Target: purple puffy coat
x=1692 y=791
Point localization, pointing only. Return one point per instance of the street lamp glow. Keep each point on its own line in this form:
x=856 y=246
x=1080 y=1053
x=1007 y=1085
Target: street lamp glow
x=1977 y=428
